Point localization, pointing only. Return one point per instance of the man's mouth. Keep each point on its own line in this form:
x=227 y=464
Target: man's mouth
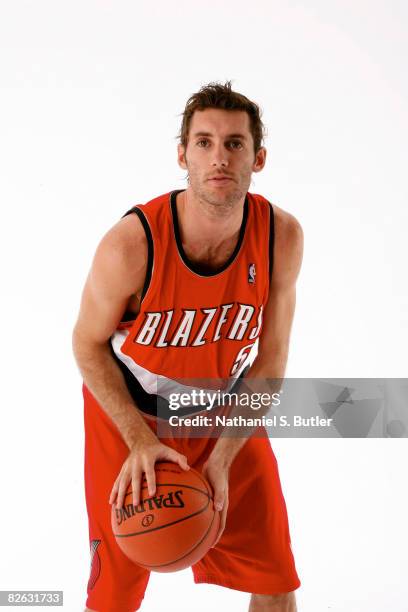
x=220 y=179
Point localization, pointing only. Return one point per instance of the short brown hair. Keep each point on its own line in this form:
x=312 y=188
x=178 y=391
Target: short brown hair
x=216 y=95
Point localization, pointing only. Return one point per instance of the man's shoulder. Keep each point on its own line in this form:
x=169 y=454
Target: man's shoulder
x=129 y=233
x=288 y=248
x=287 y=225
x=128 y=230
x=127 y=237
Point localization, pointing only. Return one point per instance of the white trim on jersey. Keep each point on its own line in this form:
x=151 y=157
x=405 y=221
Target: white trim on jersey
x=158 y=384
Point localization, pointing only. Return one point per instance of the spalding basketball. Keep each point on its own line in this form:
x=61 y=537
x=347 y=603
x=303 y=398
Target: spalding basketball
x=172 y=529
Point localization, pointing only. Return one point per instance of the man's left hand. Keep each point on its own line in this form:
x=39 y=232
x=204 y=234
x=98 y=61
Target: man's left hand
x=217 y=475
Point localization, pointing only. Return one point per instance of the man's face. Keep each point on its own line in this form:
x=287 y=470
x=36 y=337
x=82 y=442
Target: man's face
x=220 y=156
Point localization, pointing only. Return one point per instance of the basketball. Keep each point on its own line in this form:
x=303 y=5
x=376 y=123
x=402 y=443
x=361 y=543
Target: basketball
x=174 y=528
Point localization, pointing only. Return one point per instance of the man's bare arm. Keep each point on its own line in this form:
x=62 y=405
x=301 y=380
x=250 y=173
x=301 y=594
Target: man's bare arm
x=118 y=271
x=272 y=351
x=279 y=312
x=278 y=317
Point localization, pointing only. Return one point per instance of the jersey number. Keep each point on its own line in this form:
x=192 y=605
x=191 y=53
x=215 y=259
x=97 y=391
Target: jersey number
x=241 y=358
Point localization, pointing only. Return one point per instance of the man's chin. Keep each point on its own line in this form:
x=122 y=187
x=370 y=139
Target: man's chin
x=221 y=196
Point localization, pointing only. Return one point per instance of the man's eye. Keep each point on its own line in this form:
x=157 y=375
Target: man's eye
x=236 y=144
x=200 y=142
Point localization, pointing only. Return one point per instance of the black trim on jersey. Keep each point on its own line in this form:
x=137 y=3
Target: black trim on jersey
x=271 y=238
x=128 y=316
x=191 y=264
x=150 y=248
x=151 y=403
x=146 y=402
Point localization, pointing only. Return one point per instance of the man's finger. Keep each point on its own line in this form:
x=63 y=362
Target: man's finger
x=136 y=487
x=223 y=519
x=180 y=459
x=222 y=526
x=151 y=478
x=219 y=499
x=123 y=485
x=112 y=496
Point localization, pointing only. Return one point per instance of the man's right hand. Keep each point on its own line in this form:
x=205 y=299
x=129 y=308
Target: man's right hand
x=141 y=460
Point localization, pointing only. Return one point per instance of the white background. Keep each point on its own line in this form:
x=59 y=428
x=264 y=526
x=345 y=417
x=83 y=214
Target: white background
x=91 y=94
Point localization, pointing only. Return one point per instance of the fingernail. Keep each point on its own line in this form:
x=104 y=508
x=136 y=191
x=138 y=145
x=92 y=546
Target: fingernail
x=218 y=506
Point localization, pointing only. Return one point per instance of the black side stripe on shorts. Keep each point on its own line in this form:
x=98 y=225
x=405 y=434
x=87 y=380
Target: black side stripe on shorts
x=271 y=239
x=150 y=248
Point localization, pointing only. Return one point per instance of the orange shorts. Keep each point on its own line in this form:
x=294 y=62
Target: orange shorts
x=254 y=552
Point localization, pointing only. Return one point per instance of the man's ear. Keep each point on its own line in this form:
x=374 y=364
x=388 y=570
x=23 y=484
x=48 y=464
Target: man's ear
x=260 y=160
x=181 y=156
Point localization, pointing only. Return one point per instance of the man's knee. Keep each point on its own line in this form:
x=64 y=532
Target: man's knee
x=279 y=601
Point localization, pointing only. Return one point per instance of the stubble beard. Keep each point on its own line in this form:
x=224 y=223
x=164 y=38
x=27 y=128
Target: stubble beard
x=222 y=203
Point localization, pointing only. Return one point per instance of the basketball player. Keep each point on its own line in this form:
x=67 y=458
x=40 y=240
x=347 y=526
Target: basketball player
x=191 y=285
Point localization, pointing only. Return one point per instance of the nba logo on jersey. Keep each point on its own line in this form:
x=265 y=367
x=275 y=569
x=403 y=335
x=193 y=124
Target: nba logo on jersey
x=251 y=273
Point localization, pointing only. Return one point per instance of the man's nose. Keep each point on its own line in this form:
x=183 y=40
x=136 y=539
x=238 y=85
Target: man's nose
x=220 y=157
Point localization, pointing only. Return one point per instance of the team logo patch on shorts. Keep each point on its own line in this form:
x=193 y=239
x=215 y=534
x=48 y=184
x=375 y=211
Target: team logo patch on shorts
x=95 y=564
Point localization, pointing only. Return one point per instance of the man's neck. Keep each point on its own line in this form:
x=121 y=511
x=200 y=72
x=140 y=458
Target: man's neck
x=205 y=227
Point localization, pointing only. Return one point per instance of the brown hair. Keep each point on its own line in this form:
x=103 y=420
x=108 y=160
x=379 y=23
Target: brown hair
x=216 y=95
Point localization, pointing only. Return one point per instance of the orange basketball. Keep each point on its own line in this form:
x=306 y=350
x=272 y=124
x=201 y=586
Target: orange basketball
x=172 y=529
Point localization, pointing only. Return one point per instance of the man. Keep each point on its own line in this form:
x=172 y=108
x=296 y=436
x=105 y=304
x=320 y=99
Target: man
x=189 y=286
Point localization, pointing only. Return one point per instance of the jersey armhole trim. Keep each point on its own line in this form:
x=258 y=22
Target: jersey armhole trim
x=271 y=239
x=150 y=248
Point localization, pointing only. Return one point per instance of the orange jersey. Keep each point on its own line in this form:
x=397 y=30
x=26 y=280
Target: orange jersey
x=194 y=325
x=191 y=326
